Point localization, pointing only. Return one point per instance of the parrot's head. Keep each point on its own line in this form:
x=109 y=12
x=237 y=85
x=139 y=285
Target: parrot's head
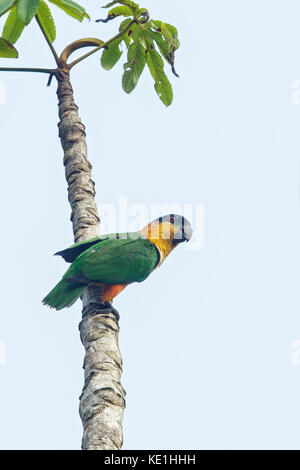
x=171 y=228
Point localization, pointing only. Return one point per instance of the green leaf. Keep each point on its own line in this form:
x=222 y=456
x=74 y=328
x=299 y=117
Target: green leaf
x=155 y=24
x=5 y=6
x=171 y=35
x=162 y=85
x=115 y=12
x=172 y=29
x=111 y=55
x=126 y=36
x=135 y=65
x=154 y=62
x=26 y=9
x=129 y=81
x=46 y=20
x=164 y=90
x=13 y=27
x=169 y=32
x=166 y=32
x=163 y=46
x=136 y=34
x=71 y=8
x=120 y=11
x=166 y=38
x=7 y=50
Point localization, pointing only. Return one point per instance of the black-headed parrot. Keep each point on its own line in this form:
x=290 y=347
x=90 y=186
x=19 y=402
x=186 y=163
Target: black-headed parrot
x=115 y=260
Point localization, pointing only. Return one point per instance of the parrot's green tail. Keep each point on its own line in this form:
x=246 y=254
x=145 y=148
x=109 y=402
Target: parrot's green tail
x=63 y=295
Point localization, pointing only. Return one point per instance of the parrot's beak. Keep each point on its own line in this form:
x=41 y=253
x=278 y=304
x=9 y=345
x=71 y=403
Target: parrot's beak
x=183 y=234
x=187 y=232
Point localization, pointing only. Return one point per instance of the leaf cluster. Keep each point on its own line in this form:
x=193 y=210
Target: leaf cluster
x=20 y=14
x=148 y=42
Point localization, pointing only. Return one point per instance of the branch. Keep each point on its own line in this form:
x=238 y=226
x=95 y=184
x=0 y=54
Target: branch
x=102 y=401
x=74 y=46
x=48 y=41
x=25 y=69
x=101 y=46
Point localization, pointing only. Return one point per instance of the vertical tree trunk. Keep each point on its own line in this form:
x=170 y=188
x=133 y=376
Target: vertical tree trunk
x=102 y=400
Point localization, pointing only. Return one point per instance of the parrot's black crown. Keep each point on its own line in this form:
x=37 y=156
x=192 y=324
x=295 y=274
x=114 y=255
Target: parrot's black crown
x=184 y=231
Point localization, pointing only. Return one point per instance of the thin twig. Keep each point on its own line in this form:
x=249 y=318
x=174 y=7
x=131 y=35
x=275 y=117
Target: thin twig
x=54 y=53
x=25 y=69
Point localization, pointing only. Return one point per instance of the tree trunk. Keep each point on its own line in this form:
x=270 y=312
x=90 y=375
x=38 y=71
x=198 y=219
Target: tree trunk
x=102 y=400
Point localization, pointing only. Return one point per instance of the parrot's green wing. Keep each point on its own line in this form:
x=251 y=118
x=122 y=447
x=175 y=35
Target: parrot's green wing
x=71 y=253
x=106 y=260
x=115 y=261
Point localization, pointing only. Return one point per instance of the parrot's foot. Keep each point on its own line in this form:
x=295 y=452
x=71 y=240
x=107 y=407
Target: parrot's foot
x=100 y=308
x=111 y=309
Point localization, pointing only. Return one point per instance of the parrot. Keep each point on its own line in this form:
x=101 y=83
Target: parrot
x=114 y=261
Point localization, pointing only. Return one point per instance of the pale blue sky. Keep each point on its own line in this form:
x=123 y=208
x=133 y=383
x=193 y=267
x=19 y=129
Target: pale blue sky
x=207 y=339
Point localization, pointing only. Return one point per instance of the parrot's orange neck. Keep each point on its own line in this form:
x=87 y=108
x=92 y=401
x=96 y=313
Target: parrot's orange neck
x=162 y=236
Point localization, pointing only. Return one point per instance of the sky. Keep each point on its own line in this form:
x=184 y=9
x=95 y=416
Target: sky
x=211 y=341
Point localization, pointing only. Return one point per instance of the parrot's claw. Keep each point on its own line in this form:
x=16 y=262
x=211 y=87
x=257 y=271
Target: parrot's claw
x=110 y=309
x=101 y=309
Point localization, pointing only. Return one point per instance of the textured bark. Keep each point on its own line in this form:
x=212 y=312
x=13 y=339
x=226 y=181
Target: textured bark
x=102 y=400
x=81 y=190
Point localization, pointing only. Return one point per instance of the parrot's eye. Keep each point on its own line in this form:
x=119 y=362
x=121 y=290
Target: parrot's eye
x=172 y=220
